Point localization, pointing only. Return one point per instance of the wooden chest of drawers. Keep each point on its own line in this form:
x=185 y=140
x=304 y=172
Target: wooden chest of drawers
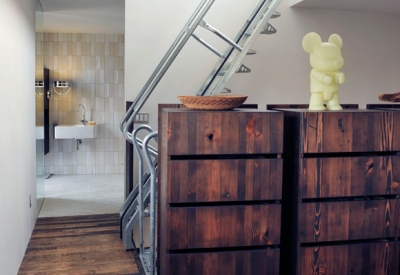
x=220 y=190
x=341 y=204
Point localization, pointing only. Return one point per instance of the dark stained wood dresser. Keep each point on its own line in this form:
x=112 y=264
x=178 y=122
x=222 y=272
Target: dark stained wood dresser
x=219 y=196
x=341 y=204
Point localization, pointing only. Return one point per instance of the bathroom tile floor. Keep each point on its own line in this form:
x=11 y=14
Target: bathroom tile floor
x=73 y=195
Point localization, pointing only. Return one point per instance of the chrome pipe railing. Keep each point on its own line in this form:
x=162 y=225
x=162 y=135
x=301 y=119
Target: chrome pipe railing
x=152 y=255
x=141 y=181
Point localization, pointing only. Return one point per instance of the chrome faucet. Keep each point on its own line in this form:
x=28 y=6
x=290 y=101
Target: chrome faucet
x=84 y=121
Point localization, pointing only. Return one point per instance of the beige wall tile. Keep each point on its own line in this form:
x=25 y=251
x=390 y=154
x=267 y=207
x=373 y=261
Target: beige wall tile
x=85 y=46
x=109 y=62
x=100 y=62
x=76 y=48
x=100 y=48
x=108 y=76
x=93 y=48
x=77 y=62
x=120 y=49
x=100 y=91
x=106 y=48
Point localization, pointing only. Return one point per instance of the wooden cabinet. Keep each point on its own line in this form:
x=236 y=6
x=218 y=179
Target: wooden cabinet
x=219 y=192
x=341 y=203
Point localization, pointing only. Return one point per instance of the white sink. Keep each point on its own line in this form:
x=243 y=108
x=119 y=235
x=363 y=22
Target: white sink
x=75 y=131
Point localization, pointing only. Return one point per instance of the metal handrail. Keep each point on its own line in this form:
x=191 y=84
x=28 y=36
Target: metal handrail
x=153 y=151
x=140 y=182
x=153 y=192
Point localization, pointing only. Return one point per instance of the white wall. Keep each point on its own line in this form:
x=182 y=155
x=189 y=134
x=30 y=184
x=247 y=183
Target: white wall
x=17 y=138
x=280 y=70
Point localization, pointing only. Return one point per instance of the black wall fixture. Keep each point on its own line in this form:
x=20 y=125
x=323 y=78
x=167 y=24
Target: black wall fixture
x=46 y=110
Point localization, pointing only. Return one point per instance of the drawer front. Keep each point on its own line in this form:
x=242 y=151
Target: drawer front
x=224 y=180
x=224 y=226
x=350 y=220
x=351 y=176
x=217 y=263
x=190 y=132
x=355 y=131
x=362 y=259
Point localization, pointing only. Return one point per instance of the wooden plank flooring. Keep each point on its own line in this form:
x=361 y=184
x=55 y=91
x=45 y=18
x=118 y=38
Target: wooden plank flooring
x=78 y=245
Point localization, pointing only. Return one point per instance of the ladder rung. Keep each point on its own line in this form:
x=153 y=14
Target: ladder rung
x=205 y=25
x=208 y=46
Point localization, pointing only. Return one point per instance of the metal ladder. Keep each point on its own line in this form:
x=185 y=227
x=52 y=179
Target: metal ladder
x=229 y=62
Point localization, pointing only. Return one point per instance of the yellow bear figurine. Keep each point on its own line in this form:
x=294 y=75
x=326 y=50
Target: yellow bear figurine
x=326 y=60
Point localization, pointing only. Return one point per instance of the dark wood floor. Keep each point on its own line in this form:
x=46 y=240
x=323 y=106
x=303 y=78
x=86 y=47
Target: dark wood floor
x=78 y=245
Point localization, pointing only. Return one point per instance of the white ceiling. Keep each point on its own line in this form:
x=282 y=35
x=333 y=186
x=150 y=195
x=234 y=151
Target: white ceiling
x=108 y=16
x=374 y=6
x=81 y=16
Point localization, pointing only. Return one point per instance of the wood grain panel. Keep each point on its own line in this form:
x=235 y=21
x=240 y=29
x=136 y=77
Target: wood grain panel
x=345 y=131
x=349 y=220
x=217 y=263
x=349 y=176
x=223 y=226
x=224 y=180
x=247 y=131
x=364 y=259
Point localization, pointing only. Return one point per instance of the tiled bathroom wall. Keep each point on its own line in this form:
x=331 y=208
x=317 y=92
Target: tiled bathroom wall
x=94 y=64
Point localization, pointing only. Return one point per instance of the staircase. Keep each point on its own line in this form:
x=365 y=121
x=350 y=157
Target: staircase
x=229 y=62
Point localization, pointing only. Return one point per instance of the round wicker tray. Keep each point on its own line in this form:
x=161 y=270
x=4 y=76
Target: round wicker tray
x=213 y=103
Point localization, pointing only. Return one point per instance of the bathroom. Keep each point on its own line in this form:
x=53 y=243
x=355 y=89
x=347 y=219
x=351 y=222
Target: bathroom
x=93 y=66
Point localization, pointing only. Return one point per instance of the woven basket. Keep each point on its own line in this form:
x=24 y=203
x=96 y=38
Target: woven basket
x=213 y=103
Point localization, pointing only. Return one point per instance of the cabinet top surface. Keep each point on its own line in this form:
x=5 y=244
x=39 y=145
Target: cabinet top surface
x=342 y=111
x=236 y=110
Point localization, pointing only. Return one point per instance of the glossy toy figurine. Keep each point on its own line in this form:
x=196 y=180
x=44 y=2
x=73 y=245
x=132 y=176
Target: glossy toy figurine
x=326 y=60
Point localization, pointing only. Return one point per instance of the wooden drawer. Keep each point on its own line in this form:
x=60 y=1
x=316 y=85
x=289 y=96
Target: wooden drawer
x=229 y=263
x=223 y=226
x=349 y=220
x=361 y=259
x=224 y=180
x=349 y=131
x=349 y=176
x=244 y=131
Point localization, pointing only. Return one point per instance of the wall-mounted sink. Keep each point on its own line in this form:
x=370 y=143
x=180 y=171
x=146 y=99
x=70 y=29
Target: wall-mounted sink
x=75 y=131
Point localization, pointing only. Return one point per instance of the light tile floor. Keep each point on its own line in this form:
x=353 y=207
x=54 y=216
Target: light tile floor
x=72 y=195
